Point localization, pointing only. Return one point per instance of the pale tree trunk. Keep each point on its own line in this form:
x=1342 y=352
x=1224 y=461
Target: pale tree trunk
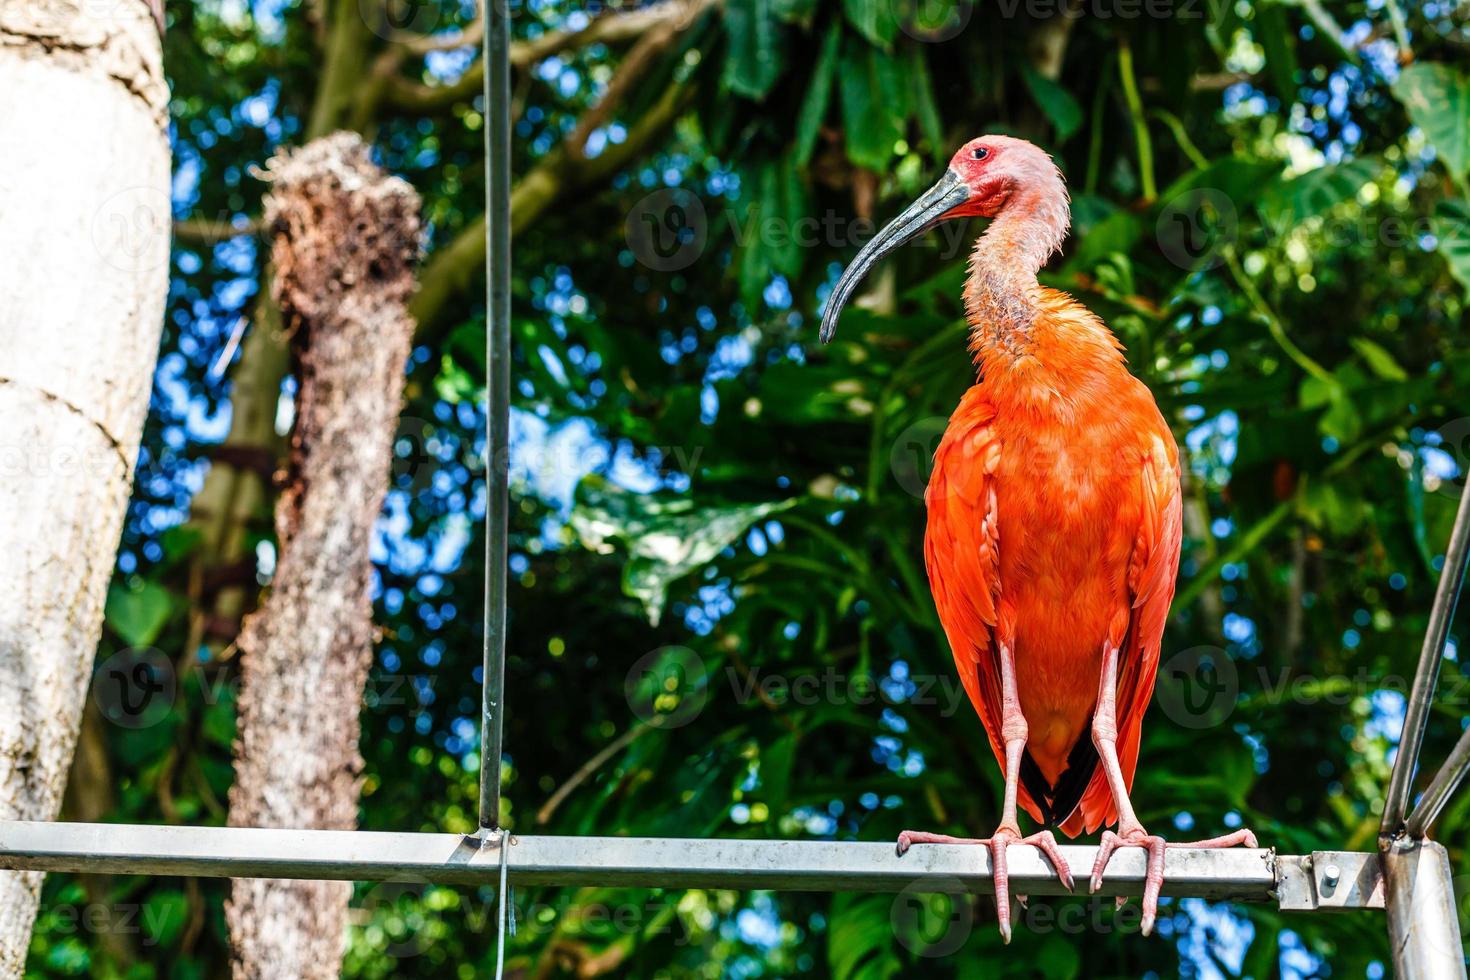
x=346 y=237
x=84 y=244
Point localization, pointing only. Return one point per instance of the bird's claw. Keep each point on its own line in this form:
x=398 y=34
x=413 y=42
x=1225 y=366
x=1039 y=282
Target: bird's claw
x=1153 y=879
x=998 y=843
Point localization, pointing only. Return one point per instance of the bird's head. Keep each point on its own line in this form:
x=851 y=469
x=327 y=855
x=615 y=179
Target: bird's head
x=985 y=177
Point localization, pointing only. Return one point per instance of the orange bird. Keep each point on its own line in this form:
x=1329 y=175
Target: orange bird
x=1054 y=522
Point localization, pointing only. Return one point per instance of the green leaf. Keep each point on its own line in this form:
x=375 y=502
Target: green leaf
x=789 y=205
x=1451 y=224
x=799 y=394
x=466 y=344
x=218 y=724
x=1117 y=233
x=874 y=19
x=1315 y=392
x=1342 y=420
x=1278 y=41
x=924 y=105
x=860 y=937
x=666 y=537
x=1414 y=497
x=775 y=772
x=755 y=58
x=453 y=383
x=1289 y=202
x=1379 y=361
x=770 y=231
x=1332 y=509
x=818 y=94
x=794 y=10
x=164 y=915
x=138 y=614
x=871 y=86
x=179 y=542
x=1241 y=180
x=1437 y=98
x=1059 y=959
x=1056 y=102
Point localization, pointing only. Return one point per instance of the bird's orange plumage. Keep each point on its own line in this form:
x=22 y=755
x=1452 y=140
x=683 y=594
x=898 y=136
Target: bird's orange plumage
x=1054 y=526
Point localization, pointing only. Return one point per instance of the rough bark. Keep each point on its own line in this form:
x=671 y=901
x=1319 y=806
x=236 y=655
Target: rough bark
x=83 y=281
x=345 y=240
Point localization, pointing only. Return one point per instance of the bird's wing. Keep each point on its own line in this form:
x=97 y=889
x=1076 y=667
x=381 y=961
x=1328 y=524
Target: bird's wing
x=962 y=556
x=1151 y=575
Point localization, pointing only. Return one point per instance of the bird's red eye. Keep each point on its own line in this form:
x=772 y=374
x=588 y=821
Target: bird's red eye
x=979 y=153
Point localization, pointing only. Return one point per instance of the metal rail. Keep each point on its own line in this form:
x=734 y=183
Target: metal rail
x=1318 y=881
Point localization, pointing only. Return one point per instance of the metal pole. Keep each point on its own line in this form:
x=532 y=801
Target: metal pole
x=1443 y=786
x=497 y=397
x=1426 y=677
x=1423 y=924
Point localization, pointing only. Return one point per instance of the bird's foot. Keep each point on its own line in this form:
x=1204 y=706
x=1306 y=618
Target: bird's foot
x=1154 y=877
x=998 y=842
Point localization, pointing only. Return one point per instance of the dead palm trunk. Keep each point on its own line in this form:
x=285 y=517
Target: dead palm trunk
x=84 y=246
x=346 y=236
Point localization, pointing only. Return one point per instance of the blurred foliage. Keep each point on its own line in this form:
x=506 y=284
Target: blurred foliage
x=1270 y=209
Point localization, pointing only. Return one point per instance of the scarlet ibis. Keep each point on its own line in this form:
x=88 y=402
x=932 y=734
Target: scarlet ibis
x=1053 y=523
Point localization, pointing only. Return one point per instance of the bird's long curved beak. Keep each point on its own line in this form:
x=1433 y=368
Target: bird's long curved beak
x=917 y=218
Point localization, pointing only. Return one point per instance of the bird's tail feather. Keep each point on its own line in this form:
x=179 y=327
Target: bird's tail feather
x=1053 y=804
x=1097 y=808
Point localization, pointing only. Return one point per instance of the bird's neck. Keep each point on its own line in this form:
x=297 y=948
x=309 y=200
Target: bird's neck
x=1002 y=295
x=1036 y=346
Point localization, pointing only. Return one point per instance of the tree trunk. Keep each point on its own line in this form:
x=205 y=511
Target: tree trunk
x=84 y=248
x=345 y=240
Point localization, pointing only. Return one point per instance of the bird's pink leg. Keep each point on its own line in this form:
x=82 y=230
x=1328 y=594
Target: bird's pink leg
x=1013 y=733
x=1130 y=831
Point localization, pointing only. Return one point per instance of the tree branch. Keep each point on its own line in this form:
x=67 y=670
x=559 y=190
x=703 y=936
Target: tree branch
x=632 y=68
x=453 y=267
x=204 y=231
x=608 y=28
x=423 y=44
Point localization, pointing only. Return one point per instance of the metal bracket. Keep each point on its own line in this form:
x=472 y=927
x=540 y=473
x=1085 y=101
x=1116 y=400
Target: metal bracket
x=1329 y=880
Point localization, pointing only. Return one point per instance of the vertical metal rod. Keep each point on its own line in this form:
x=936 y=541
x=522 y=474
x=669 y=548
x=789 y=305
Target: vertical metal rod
x=1423 y=921
x=1441 y=788
x=1426 y=677
x=504 y=917
x=497 y=396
